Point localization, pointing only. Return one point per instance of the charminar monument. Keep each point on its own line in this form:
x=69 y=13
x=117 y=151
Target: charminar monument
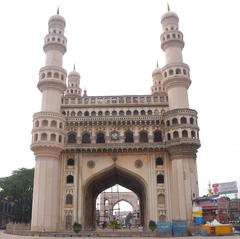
x=86 y=144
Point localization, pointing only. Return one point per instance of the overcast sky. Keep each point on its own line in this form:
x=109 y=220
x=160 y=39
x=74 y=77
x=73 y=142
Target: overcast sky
x=115 y=45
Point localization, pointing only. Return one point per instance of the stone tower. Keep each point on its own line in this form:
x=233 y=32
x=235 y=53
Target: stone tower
x=48 y=130
x=86 y=144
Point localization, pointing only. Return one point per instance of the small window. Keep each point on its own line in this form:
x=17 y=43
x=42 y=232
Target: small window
x=107 y=113
x=60 y=139
x=86 y=139
x=193 y=134
x=183 y=120
x=143 y=137
x=191 y=120
x=56 y=75
x=129 y=137
x=43 y=136
x=128 y=112
x=79 y=113
x=160 y=179
x=175 y=135
x=171 y=72
x=72 y=138
x=100 y=138
x=69 y=199
x=114 y=113
x=143 y=112
x=70 y=162
x=70 y=179
x=174 y=121
x=135 y=112
x=149 y=112
x=157 y=136
x=178 y=71
x=86 y=113
x=159 y=161
x=184 y=134
x=45 y=123
x=53 y=137
x=54 y=123
x=169 y=136
x=37 y=123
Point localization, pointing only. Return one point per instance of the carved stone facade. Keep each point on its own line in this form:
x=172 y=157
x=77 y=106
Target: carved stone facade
x=86 y=144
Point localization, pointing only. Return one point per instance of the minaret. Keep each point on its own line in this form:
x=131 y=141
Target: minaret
x=48 y=130
x=157 y=87
x=73 y=83
x=176 y=78
x=181 y=132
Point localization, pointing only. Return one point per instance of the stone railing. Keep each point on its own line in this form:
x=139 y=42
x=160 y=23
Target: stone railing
x=115 y=100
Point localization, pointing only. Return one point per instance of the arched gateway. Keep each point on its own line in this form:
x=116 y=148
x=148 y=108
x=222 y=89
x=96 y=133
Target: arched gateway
x=85 y=144
x=108 y=178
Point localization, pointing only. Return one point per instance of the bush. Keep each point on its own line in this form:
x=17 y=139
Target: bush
x=152 y=225
x=77 y=227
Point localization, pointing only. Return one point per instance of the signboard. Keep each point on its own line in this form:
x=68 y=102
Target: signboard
x=225 y=188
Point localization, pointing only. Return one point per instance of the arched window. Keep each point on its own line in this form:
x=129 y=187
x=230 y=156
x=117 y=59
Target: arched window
x=60 y=139
x=56 y=75
x=161 y=199
x=191 y=120
x=128 y=112
x=86 y=139
x=79 y=113
x=121 y=113
x=160 y=179
x=193 y=134
x=54 y=123
x=107 y=113
x=43 y=136
x=70 y=162
x=72 y=138
x=174 y=121
x=159 y=161
x=157 y=136
x=37 y=123
x=129 y=137
x=170 y=72
x=60 y=125
x=64 y=113
x=70 y=179
x=183 y=120
x=44 y=123
x=169 y=136
x=149 y=112
x=106 y=202
x=93 y=113
x=184 y=134
x=178 y=71
x=143 y=112
x=143 y=137
x=73 y=113
x=100 y=138
x=100 y=113
x=135 y=112
x=53 y=137
x=86 y=113
x=114 y=113
x=168 y=122
x=69 y=199
x=175 y=135
x=49 y=74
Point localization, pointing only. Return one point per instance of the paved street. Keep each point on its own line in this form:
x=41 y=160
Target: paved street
x=6 y=236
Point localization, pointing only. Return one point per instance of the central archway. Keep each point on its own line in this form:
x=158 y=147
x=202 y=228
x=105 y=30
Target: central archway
x=106 y=179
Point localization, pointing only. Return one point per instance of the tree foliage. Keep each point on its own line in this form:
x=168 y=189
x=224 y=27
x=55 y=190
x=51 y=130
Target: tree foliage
x=18 y=188
x=152 y=225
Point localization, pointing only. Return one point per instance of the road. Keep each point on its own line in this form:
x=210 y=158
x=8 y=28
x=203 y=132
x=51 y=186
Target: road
x=7 y=236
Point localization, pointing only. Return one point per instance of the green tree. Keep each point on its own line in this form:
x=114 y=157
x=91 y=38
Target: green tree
x=152 y=225
x=113 y=224
x=18 y=188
